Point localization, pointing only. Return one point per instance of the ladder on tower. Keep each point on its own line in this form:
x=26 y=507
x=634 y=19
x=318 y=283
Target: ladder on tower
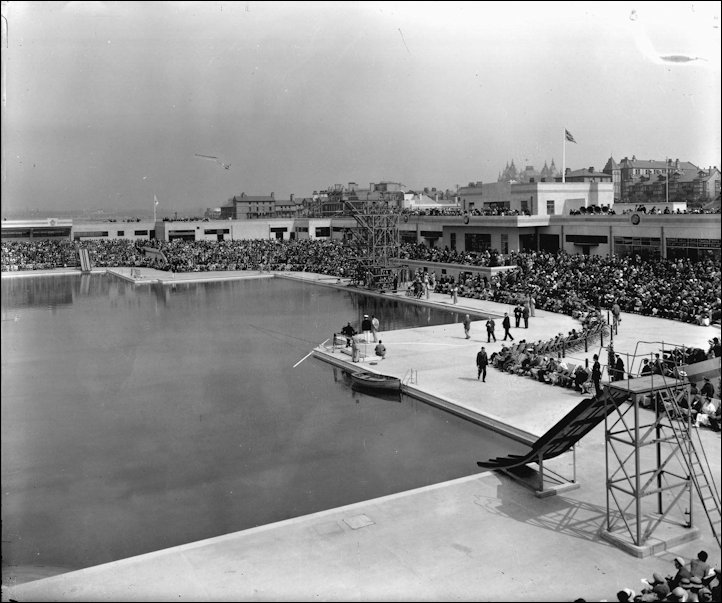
x=693 y=456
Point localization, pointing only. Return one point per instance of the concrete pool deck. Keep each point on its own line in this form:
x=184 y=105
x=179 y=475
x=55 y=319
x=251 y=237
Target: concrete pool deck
x=482 y=537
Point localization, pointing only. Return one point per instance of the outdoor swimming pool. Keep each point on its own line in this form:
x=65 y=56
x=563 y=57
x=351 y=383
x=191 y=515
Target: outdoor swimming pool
x=136 y=418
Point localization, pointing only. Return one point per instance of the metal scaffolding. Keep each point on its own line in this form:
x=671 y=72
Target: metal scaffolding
x=376 y=241
x=654 y=467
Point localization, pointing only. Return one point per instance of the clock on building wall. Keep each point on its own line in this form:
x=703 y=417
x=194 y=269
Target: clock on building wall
x=635 y=219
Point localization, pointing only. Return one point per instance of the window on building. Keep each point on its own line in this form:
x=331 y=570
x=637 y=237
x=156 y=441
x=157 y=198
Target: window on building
x=91 y=233
x=121 y=233
x=504 y=243
x=550 y=207
x=525 y=206
x=452 y=241
x=140 y=233
x=477 y=241
x=645 y=247
x=323 y=231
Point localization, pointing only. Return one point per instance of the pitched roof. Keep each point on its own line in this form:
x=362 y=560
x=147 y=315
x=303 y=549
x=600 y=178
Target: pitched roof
x=653 y=164
x=253 y=199
x=587 y=173
x=611 y=164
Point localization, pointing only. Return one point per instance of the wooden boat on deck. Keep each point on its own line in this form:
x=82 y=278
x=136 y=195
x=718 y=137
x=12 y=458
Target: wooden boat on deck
x=374 y=382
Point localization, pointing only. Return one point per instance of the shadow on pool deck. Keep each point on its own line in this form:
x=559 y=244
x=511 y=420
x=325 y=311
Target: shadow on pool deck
x=482 y=537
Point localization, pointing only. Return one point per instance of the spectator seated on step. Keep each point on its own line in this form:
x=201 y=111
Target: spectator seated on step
x=709 y=414
x=380 y=349
x=582 y=379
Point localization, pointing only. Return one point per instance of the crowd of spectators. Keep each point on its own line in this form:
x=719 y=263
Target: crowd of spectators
x=695 y=580
x=545 y=360
x=592 y=210
x=681 y=289
x=485 y=257
x=325 y=257
x=642 y=209
x=38 y=255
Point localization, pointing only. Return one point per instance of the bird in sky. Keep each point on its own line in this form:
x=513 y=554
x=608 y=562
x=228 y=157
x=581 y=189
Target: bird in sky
x=226 y=166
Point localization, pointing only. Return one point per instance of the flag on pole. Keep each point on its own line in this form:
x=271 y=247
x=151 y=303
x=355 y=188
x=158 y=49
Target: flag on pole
x=569 y=137
x=156 y=200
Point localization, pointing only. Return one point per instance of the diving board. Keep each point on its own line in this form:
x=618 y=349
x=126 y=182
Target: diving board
x=561 y=438
x=85 y=264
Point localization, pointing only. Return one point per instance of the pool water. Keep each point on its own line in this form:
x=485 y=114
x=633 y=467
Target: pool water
x=136 y=418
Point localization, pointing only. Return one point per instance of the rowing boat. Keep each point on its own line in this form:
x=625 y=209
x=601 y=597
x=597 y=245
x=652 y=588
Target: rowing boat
x=375 y=382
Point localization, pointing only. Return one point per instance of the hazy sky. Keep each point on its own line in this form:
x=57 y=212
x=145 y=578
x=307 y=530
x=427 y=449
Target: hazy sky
x=106 y=103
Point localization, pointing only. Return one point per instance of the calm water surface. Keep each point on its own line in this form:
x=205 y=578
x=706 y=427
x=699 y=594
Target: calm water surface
x=135 y=418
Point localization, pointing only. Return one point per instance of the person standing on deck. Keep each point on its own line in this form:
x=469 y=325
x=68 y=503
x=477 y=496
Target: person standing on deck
x=619 y=369
x=490 y=326
x=366 y=327
x=525 y=315
x=375 y=327
x=517 y=315
x=616 y=312
x=597 y=375
x=532 y=305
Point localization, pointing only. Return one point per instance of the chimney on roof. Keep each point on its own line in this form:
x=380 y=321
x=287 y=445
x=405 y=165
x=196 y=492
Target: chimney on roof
x=568 y=171
x=272 y=195
x=591 y=169
x=291 y=196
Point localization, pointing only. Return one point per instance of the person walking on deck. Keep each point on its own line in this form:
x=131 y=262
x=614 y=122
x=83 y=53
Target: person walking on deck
x=467 y=325
x=506 y=323
x=482 y=361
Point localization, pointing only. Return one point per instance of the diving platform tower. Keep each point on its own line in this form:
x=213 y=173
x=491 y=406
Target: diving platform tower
x=375 y=241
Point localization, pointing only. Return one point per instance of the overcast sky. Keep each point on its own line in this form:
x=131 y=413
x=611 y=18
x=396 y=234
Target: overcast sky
x=106 y=103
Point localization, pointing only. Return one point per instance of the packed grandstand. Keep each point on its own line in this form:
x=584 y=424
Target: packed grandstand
x=681 y=289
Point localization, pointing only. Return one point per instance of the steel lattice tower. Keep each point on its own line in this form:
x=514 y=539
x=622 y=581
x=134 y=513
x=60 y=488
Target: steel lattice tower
x=376 y=241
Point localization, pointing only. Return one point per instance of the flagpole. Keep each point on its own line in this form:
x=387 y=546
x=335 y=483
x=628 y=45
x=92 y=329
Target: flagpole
x=564 y=156
x=155 y=205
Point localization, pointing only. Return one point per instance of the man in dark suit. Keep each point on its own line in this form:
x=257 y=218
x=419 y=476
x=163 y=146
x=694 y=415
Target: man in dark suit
x=597 y=375
x=517 y=315
x=506 y=323
x=481 y=362
x=490 y=330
